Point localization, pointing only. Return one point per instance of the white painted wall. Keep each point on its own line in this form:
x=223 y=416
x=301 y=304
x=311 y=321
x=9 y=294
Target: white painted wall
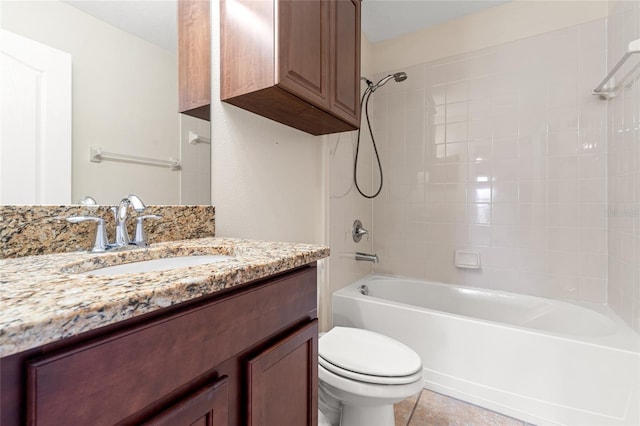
x=346 y=205
x=267 y=178
x=491 y=27
x=124 y=99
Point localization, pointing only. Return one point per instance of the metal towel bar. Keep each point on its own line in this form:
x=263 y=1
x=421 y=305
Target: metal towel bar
x=633 y=47
x=97 y=155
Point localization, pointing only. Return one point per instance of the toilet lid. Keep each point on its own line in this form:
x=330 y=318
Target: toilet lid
x=367 y=353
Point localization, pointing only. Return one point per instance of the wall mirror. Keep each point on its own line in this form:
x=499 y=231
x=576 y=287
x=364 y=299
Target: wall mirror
x=123 y=100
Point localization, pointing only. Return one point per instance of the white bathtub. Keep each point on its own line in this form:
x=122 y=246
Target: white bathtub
x=539 y=360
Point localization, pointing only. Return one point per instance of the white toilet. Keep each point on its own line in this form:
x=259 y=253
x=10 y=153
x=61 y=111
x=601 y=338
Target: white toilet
x=361 y=374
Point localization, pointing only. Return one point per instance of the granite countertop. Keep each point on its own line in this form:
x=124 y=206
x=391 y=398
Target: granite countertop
x=50 y=297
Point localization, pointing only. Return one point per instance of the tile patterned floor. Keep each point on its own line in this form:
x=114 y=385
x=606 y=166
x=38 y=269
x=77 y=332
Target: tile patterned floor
x=433 y=409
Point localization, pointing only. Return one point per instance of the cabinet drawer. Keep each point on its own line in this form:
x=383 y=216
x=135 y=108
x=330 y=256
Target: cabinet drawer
x=107 y=380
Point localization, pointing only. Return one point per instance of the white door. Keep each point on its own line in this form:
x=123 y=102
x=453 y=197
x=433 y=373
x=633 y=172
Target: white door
x=35 y=122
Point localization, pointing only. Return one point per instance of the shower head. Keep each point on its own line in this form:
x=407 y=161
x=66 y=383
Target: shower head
x=400 y=76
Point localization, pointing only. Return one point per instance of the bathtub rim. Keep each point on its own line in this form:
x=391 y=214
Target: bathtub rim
x=623 y=339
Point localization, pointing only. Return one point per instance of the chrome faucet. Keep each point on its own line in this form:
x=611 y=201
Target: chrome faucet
x=120 y=213
x=367 y=257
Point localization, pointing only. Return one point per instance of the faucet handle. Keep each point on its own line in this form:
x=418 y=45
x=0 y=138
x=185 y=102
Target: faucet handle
x=141 y=238
x=101 y=242
x=87 y=200
x=357 y=231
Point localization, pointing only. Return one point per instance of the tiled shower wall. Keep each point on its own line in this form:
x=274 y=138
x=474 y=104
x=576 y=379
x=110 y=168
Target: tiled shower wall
x=501 y=151
x=623 y=171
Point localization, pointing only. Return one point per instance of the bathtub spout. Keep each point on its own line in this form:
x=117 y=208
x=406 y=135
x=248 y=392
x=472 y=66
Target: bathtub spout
x=367 y=257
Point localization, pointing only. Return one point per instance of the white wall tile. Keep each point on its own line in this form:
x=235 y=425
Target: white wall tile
x=563 y=215
x=533 y=214
x=479 y=213
x=563 y=143
x=505 y=148
x=592 y=290
x=563 y=263
x=623 y=152
x=456 y=92
x=479 y=235
x=457 y=152
x=512 y=162
x=532 y=191
x=504 y=214
x=505 y=236
x=456 y=132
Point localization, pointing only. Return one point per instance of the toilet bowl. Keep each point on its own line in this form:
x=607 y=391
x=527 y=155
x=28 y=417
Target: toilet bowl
x=361 y=374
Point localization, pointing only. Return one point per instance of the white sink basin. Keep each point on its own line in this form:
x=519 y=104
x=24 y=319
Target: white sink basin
x=157 y=265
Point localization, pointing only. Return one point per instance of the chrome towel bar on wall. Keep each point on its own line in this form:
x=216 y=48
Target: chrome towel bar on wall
x=633 y=47
x=195 y=138
x=97 y=155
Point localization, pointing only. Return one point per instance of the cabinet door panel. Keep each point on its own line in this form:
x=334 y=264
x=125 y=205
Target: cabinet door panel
x=345 y=103
x=194 y=58
x=303 y=49
x=206 y=407
x=283 y=381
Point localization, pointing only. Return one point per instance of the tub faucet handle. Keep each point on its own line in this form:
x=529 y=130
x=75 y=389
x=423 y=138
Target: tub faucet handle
x=357 y=231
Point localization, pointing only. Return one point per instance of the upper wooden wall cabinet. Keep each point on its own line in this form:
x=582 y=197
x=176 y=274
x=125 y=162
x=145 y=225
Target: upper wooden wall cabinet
x=194 y=58
x=293 y=61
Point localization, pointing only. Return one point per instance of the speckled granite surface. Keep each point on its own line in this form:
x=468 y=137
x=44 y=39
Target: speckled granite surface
x=32 y=230
x=50 y=297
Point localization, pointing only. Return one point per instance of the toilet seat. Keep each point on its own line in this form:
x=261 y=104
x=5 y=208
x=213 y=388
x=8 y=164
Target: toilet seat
x=368 y=357
x=376 y=380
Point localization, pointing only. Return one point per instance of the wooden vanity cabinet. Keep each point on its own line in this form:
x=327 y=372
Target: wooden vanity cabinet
x=293 y=61
x=194 y=58
x=248 y=356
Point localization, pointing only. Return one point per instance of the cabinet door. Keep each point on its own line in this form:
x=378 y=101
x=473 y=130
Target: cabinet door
x=206 y=407
x=345 y=52
x=302 y=61
x=194 y=58
x=283 y=381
